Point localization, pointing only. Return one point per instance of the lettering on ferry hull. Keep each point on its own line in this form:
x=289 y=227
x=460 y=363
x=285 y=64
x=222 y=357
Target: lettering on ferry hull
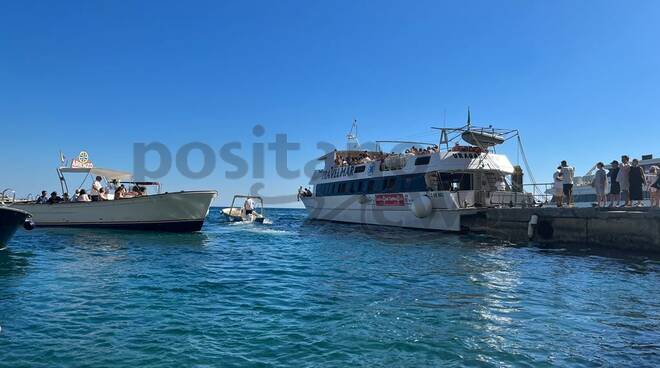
x=390 y=200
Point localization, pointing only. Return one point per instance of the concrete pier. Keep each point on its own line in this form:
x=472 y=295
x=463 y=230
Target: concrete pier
x=635 y=229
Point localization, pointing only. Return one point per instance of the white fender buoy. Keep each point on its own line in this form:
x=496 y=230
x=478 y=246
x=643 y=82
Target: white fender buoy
x=422 y=206
x=533 y=221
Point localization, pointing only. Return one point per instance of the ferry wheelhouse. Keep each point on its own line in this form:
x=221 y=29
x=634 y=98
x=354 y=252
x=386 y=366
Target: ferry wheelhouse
x=430 y=190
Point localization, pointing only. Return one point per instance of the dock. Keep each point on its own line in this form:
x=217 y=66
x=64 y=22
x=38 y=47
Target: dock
x=631 y=229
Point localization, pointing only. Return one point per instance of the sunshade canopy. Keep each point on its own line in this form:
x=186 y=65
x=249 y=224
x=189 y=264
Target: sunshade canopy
x=108 y=174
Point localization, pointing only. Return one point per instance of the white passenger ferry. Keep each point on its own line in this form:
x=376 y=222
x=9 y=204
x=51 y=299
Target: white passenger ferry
x=426 y=189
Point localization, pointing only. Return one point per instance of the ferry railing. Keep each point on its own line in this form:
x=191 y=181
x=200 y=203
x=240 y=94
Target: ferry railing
x=532 y=195
x=542 y=192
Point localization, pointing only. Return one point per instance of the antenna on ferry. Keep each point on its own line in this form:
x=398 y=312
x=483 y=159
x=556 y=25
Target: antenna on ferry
x=352 y=143
x=469 y=120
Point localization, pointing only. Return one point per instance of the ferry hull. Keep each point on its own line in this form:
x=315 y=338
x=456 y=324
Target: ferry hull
x=174 y=212
x=350 y=209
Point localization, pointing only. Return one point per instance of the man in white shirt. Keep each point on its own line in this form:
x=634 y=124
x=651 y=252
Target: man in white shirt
x=96 y=188
x=567 y=173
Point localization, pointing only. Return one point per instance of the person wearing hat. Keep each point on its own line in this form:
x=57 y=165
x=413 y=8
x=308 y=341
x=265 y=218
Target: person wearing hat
x=615 y=188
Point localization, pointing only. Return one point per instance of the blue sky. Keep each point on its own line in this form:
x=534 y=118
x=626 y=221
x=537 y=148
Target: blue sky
x=579 y=79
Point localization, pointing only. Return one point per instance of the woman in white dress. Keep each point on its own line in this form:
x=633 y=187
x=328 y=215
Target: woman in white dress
x=599 y=184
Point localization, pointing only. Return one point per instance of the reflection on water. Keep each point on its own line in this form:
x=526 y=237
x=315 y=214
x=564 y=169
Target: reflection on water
x=310 y=293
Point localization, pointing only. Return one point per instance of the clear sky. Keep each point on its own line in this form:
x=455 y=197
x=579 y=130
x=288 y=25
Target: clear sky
x=579 y=79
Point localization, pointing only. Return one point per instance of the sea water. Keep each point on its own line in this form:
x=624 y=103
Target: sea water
x=301 y=293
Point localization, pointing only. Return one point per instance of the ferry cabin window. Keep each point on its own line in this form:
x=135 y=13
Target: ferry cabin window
x=389 y=184
x=457 y=181
x=422 y=160
x=359 y=169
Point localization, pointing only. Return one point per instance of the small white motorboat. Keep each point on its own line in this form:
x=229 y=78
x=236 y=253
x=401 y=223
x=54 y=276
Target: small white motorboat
x=239 y=214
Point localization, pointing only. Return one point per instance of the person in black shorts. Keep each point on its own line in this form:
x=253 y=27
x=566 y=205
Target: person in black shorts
x=615 y=187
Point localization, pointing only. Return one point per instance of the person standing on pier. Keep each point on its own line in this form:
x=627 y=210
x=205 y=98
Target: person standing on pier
x=637 y=180
x=567 y=173
x=622 y=178
x=558 y=187
x=599 y=184
x=654 y=186
x=615 y=188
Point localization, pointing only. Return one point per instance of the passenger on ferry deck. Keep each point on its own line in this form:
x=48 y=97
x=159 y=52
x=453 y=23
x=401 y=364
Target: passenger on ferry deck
x=567 y=173
x=43 y=198
x=600 y=183
x=623 y=179
x=615 y=188
x=75 y=196
x=300 y=193
x=83 y=196
x=558 y=187
x=96 y=189
x=54 y=198
x=637 y=181
x=308 y=193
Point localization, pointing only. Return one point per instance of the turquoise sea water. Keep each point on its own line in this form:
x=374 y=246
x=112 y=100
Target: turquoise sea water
x=300 y=293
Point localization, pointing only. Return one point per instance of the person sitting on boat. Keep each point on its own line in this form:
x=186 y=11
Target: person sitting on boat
x=75 y=196
x=300 y=193
x=103 y=195
x=54 y=198
x=83 y=196
x=43 y=198
x=96 y=189
x=65 y=197
x=308 y=193
x=120 y=192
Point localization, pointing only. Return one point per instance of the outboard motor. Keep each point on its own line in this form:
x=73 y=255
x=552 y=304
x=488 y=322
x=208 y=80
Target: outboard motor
x=28 y=224
x=517 y=179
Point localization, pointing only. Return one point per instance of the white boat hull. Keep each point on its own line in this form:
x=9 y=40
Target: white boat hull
x=177 y=212
x=359 y=209
x=10 y=220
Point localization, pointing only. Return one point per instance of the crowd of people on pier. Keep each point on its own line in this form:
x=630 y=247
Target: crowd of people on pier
x=627 y=182
x=358 y=158
x=97 y=193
